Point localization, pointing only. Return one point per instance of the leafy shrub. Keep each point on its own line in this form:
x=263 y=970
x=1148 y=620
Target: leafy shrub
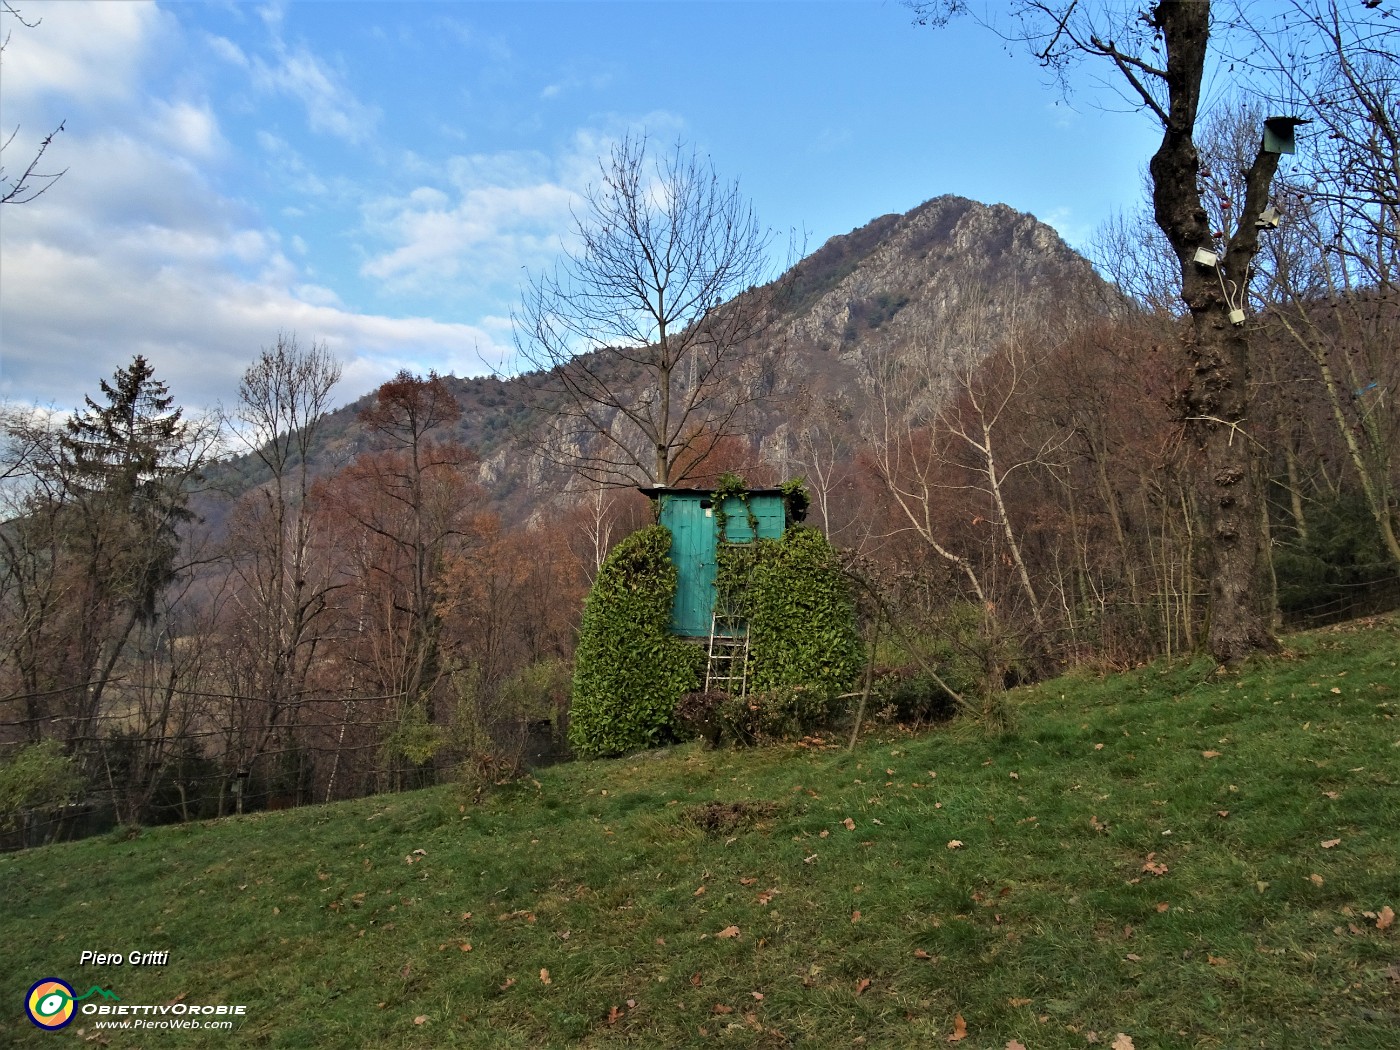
x=783 y=713
x=698 y=715
x=414 y=738
x=1331 y=573
x=36 y=775
x=908 y=695
x=802 y=623
x=497 y=733
x=629 y=671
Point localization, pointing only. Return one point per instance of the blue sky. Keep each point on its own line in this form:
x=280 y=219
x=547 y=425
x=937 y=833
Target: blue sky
x=380 y=176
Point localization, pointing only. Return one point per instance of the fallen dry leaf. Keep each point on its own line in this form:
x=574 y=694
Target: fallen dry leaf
x=959 y=1030
x=1210 y=754
x=955 y=844
x=1316 y=879
x=700 y=891
x=1122 y=1042
x=728 y=932
x=855 y=915
x=849 y=824
x=544 y=976
x=421 y=1019
x=466 y=947
x=1019 y=1002
x=614 y=1015
x=1386 y=918
x=696 y=979
x=757 y=995
x=919 y=953
x=862 y=985
x=1153 y=867
x=1331 y=842
x=1015 y=1044
x=720 y=1008
x=1162 y=907
x=508 y=982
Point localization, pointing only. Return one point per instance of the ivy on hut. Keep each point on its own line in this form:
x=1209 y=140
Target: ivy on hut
x=629 y=671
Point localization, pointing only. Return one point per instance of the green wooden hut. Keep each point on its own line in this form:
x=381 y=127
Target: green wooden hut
x=694 y=519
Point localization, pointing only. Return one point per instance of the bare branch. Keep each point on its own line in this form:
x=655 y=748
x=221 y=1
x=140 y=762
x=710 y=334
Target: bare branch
x=643 y=333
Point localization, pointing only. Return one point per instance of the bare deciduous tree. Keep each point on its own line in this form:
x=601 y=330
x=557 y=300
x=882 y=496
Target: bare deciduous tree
x=647 y=330
x=278 y=603
x=31 y=181
x=938 y=439
x=1160 y=56
x=1340 y=300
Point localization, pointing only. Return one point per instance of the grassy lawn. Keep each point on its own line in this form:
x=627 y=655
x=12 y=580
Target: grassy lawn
x=1164 y=858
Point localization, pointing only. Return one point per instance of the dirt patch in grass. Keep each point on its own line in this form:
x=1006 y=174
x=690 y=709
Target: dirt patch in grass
x=723 y=818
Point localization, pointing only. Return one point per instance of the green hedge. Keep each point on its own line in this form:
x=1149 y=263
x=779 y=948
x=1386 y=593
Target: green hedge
x=629 y=671
x=801 y=616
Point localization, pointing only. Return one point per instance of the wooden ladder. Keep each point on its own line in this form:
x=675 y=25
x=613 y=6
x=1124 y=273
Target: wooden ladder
x=728 y=662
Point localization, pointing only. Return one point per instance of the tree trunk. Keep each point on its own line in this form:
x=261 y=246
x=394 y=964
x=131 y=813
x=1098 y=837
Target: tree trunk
x=1215 y=403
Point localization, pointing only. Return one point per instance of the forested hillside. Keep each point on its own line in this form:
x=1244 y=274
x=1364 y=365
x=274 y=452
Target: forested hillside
x=299 y=603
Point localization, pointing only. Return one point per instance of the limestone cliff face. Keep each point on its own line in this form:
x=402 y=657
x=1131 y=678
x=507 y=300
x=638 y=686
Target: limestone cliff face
x=892 y=285
x=890 y=291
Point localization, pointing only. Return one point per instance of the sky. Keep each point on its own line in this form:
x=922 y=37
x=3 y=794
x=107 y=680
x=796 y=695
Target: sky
x=382 y=177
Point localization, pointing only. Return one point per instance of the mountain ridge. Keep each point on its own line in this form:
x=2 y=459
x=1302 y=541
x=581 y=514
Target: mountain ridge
x=882 y=288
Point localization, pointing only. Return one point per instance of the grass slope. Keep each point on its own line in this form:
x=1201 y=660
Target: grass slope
x=1168 y=856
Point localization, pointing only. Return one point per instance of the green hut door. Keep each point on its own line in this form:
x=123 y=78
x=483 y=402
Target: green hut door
x=693 y=552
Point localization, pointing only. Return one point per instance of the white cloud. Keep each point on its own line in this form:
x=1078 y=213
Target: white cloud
x=292 y=168
x=494 y=47
x=227 y=50
x=92 y=51
x=438 y=237
x=198 y=323
x=1076 y=232
x=575 y=82
x=140 y=250
x=331 y=107
x=137 y=251
x=487 y=216
x=189 y=129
